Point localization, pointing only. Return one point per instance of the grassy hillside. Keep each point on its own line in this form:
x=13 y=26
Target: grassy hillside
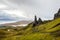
x=46 y=31
x=51 y=26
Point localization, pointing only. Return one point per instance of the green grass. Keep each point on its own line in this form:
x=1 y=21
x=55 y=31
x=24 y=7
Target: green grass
x=46 y=31
x=35 y=36
x=48 y=27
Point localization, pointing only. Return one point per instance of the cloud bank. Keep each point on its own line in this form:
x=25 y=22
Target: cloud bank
x=44 y=9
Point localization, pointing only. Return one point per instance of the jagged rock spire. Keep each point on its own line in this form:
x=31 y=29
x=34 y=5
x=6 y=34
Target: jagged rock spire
x=35 y=19
x=37 y=22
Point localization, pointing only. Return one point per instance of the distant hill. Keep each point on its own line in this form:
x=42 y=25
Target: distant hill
x=16 y=23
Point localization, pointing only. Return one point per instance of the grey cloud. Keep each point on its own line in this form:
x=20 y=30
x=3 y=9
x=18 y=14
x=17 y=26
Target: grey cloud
x=41 y=8
x=7 y=17
x=28 y=2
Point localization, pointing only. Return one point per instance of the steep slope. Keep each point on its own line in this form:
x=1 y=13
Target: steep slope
x=47 y=31
x=47 y=27
x=50 y=26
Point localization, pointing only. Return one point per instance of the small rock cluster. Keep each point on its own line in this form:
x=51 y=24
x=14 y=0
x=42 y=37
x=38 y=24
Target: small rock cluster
x=37 y=22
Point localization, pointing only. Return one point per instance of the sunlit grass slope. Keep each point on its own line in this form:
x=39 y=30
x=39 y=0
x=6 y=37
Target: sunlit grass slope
x=50 y=26
x=46 y=31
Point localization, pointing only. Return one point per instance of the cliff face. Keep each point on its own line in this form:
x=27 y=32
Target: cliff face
x=57 y=15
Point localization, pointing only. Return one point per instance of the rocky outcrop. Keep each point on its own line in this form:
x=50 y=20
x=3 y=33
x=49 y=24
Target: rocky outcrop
x=57 y=15
x=37 y=22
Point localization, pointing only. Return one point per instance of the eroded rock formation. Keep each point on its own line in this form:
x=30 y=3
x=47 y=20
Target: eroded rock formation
x=37 y=22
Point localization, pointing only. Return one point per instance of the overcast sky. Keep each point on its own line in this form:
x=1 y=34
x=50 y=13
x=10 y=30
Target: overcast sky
x=26 y=9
